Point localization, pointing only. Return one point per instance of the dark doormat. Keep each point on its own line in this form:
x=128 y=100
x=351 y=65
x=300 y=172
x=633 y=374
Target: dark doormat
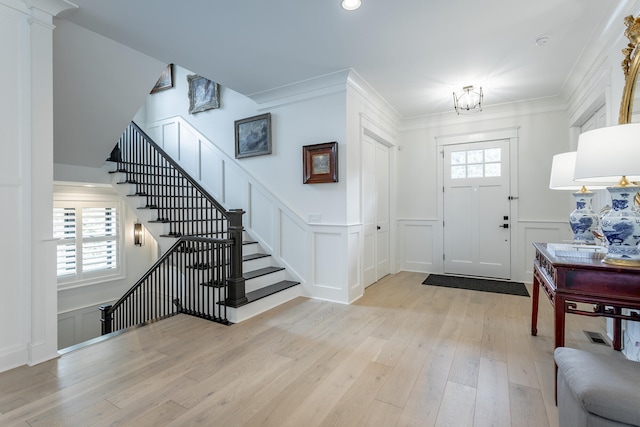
x=484 y=285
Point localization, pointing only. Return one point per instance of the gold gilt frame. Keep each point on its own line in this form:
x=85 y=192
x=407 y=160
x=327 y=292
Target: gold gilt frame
x=630 y=66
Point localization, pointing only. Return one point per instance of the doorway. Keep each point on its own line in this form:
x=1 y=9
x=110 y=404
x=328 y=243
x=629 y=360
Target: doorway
x=375 y=209
x=477 y=213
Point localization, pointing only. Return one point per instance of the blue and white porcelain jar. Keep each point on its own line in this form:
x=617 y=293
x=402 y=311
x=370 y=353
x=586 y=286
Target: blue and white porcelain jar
x=621 y=227
x=584 y=221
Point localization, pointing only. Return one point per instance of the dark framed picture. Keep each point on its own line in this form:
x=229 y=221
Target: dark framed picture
x=253 y=136
x=165 y=81
x=203 y=94
x=320 y=163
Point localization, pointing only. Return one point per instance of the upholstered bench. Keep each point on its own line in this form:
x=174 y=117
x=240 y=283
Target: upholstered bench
x=596 y=390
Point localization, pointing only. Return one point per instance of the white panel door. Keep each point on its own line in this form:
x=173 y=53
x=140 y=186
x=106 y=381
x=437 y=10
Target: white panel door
x=369 y=210
x=382 y=211
x=477 y=226
x=375 y=210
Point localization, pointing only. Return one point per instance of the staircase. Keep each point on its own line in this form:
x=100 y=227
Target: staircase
x=177 y=211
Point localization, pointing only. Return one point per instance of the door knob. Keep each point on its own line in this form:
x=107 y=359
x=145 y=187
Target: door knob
x=503 y=226
x=378 y=227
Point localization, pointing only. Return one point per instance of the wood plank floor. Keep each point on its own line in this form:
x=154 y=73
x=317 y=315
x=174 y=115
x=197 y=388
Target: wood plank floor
x=403 y=355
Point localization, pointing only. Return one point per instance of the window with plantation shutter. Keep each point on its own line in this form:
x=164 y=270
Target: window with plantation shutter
x=99 y=231
x=88 y=245
x=64 y=228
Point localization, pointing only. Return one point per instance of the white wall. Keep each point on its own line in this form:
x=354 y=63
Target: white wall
x=293 y=125
x=98 y=86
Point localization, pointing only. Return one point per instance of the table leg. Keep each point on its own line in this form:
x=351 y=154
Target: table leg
x=617 y=330
x=535 y=298
x=559 y=306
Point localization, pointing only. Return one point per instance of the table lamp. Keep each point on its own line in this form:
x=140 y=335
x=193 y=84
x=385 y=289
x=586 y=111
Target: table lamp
x=583 y=220
x=612 y=154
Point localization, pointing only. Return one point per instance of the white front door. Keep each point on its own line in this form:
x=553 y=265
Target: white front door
x=477 y=217
x=375 y=210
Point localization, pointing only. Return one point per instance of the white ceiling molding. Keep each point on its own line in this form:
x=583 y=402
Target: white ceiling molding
x=52 y=7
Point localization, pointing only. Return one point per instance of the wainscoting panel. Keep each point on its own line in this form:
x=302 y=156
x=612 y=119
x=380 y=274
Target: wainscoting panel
x=79 y=325
x=261 y=216
x=293 y=245
x=170 y=141
x=536 y=232
x=631 y=339
x=416 y=246
x=189 y=145
x=328 y=260
x=212 y=169
x=235 y=189
x=356 y=288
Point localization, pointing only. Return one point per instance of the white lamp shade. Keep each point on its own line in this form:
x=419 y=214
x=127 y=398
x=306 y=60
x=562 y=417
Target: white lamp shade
x=606 y=154
x=562 y=168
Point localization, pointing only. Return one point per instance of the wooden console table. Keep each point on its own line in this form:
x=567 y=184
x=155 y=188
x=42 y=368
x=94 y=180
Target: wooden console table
x=568 y=281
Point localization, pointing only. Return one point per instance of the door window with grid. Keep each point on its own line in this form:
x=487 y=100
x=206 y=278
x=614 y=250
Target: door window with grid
x=478 y=163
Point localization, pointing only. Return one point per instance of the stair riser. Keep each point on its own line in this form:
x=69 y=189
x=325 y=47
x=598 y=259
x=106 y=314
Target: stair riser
x=250 y=249
x=247 y=311
x=262 y=281
x=255 y=264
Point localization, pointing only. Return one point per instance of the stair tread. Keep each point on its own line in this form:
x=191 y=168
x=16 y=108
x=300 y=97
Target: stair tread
x=270 y=290
x=168 y=196
x=254 y=256
x=177 y=235
x=261 y=272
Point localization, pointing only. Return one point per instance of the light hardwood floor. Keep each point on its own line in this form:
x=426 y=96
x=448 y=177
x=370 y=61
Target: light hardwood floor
x=403 y=355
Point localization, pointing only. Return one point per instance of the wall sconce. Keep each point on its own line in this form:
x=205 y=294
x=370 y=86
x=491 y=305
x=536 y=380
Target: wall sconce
x=608 y=155
x=469 y=102
x=138 y=234
x=351 y=4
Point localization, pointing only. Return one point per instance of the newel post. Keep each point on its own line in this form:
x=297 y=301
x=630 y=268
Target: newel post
x=106 y=317
x=235 y=282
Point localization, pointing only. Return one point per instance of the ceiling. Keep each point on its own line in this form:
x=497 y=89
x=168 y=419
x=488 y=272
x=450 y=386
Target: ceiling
x=414 y=53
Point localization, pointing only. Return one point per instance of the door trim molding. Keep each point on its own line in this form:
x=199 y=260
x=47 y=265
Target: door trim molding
x=510 y=134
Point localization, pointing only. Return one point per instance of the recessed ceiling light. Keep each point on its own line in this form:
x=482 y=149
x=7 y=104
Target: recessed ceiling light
x=541 y=40
x=351 y=4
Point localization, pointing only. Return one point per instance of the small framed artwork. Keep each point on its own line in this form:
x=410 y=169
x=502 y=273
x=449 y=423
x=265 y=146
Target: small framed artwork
x=253 y=136
x=203 y=94
x=165 y=81
x=320 y=163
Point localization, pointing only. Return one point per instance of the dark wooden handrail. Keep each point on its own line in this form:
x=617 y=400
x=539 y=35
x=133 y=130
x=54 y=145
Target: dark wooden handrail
x=176 y=166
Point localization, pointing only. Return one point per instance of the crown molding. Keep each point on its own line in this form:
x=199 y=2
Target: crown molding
x=52 y=7
x=303 y=90
x=492 y=112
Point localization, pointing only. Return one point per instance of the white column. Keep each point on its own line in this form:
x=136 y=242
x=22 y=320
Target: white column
x=28 y=307
x=43 y=340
